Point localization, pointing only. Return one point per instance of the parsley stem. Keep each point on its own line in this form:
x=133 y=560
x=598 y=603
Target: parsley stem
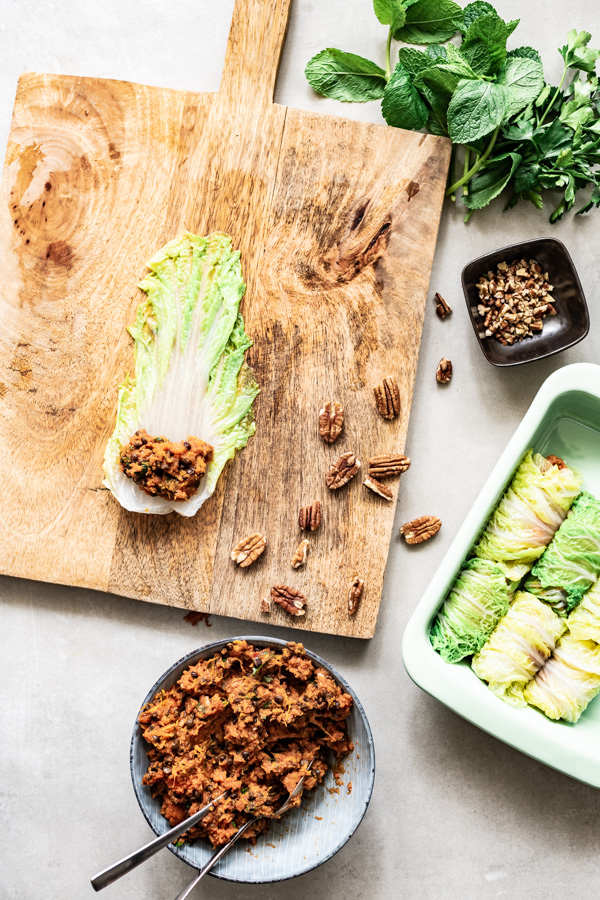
x=479 y=161
x=388 y=46
x=554 y=96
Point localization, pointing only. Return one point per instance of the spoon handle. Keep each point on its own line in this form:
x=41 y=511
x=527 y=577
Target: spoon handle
x=214 y=859
x=112 y=873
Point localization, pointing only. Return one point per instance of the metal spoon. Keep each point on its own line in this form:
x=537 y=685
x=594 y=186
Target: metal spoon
x=107 y=876
x=223 y=850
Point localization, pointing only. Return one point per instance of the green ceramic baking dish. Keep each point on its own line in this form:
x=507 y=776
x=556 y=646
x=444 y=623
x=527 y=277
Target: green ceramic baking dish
x=564 y=419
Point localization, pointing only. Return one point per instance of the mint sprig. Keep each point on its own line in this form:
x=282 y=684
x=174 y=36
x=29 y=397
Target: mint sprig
x=510 y=129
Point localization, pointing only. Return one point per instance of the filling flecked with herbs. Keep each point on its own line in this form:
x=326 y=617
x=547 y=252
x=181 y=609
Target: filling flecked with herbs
x=169 y=469
x=249 y=720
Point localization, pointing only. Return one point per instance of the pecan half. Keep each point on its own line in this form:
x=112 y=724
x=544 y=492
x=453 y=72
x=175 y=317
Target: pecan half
x=355 y=595
x=309 y=517
x=248 y=550
x=444 y=371
x=421 y=529
x=265 y=605
x=556 y=461
x=377 y=487
x=388 y=464
x=331 y=421
x=387 y=397
x=343 y=469
x=289 y=599
x=442 y=308
x=299 y=557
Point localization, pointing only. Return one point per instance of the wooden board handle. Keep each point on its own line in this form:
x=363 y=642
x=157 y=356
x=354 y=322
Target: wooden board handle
x=254 y=48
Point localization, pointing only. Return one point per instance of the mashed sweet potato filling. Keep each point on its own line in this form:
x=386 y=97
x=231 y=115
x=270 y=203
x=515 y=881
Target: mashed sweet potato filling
x=247 y=720
x=169 y=469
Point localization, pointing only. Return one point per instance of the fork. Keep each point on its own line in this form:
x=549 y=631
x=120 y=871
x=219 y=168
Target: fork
x=223 y=850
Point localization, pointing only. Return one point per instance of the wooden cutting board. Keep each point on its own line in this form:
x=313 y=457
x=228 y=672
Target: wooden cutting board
x=336 y=221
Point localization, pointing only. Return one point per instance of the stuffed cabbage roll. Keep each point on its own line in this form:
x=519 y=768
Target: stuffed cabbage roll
x=571 y=562
x=518 y=647
x=478 y=598
x=533 y=507
x=568 y=681
x=584 y=622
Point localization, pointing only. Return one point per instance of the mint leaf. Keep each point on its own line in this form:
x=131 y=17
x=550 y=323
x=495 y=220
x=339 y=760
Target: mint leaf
x=444 y=78
x=430 y=21
x=576 y=53
x=475 y=10
x=525 y=53
x=484 y=45
x=345 y=76
x=476 y=108
x=484 y=188
x=390 y=12
x=414 y=61
x=402 y=106
x=524 y=79
x=436 y=51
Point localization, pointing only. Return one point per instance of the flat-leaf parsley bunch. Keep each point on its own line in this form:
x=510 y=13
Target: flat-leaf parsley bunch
x=515 y=130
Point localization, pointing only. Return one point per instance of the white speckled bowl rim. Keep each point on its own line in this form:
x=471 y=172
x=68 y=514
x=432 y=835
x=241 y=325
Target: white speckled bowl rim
x=564 y=418
x=298 y=842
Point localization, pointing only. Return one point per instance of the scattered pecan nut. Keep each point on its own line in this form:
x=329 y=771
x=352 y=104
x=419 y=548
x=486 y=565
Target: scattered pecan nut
x=331 y=421
x=387 y=397
x=556 y=461
x=377 y=487
x=442 y=308
x=388 y=464
x=355 y=595
x=421 y=529
x=309 y=517
x=248 y=550
x=299 y=557
x=343 y=469
x=265 y=605
x=444 y=371
x=289 y=599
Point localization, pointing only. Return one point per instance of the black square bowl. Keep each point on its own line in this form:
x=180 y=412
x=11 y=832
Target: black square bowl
x=571 y=323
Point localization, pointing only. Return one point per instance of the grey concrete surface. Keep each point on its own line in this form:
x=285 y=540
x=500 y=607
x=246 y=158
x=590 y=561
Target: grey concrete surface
x=455 y=813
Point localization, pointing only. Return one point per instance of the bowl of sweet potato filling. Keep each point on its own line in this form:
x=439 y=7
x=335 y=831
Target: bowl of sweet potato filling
x=251 y=716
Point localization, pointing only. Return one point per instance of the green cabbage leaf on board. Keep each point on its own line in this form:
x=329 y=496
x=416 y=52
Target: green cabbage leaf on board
x=569 y=680
x=190 y=375
x=521 y=643
x=584 y=621
x=479 y=597
x=571 y=562
x=530 y=512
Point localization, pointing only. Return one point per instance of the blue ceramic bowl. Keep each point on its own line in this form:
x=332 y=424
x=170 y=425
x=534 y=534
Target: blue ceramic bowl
x=302 y=839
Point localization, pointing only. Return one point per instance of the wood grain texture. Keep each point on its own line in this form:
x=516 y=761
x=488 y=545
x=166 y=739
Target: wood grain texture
x=336 y=221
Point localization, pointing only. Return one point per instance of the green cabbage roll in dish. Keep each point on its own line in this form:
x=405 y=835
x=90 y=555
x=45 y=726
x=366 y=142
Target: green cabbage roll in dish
x=533 y=507
x=569 y=680
x=571 y=562
x=584 y=621
x=479 y=597
x=521 y=643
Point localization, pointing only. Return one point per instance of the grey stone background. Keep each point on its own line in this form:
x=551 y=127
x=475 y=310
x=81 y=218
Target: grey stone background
x=455 y=813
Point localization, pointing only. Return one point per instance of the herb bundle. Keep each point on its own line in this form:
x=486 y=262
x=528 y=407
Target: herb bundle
x=510 y=129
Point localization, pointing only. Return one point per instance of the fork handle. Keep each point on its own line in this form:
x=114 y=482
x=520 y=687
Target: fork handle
x=214 y=859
